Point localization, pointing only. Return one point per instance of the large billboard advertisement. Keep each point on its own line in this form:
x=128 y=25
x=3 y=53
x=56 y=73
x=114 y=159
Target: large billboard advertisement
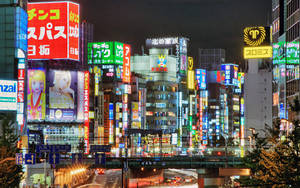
x=53 y=30
x=62 y=91
x=36 y=94
x=8 y=95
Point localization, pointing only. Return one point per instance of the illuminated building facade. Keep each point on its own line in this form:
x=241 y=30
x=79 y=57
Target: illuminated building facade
x=159 y=69
x=223 y=112
x=285 y=60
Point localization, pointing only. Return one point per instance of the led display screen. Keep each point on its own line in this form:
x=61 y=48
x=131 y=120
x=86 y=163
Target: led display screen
x=8 y=95
x=36 y=94
x=53 y=30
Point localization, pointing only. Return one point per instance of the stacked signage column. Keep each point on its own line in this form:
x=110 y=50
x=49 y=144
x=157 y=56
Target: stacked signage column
x=57 y=94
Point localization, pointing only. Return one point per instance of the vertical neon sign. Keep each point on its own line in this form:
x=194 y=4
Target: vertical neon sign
x=86 y=112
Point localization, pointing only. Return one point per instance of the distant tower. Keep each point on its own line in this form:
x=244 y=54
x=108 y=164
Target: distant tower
x=210 y=59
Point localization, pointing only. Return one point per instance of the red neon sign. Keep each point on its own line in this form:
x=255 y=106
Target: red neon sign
x=126 y=63
x=53 y=30
x=159 y=69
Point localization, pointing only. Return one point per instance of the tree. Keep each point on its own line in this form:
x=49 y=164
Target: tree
x=275 y=159
x=10 y=173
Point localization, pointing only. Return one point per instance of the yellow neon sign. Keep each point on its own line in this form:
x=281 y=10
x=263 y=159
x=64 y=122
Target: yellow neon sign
x=191 y=63
x=254 y=36
x=191 y=79
x=258 y=52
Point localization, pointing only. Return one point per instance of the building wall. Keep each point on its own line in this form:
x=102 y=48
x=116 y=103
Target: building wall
x=258 y=103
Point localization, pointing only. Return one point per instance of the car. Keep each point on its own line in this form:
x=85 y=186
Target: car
x=100 y=171
x=188 y=179
x=178 y=179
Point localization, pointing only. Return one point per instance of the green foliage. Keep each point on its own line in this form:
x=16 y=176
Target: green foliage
x=274 y=162
x=10 y=173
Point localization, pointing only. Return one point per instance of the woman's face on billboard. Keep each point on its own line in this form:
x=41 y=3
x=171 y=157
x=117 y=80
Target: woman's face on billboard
x=62 y=81
x=37 y=86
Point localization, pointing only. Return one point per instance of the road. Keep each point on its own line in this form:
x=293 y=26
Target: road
x=112 y=179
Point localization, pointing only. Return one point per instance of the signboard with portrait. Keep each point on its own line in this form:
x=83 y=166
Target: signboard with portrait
x=36 y=94
x=62 y=95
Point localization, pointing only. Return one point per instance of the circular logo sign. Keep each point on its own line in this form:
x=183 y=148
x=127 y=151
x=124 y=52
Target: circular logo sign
x=254 y=36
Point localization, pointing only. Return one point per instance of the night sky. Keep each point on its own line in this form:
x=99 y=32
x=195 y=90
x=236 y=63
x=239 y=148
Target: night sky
x=207 y=23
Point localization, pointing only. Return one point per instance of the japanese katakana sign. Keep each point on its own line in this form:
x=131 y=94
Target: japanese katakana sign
x=53 y=30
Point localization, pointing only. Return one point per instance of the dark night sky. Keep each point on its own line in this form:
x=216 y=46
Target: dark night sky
x=208 y=23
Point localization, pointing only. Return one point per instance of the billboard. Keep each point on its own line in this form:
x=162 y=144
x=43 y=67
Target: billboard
x=21 y=29
x=162 y=42
x=86 y=109
x=258 y=52
x=231 y=73
x=126 y=65
x=8 y=95
x=201 y=78
x=292 y=52
x=62 y=95
x=106 y=53
x=286 y=52
x=53 y=30
x=36 y=94
x=257 y=36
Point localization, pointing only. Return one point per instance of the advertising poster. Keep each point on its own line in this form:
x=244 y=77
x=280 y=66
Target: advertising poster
x=36 y=94
x=135 y=111
x=53 y=30
x=183 y=66
x=62 y=95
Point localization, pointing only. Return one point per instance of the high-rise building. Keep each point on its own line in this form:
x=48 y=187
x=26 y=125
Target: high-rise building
x=285 y=59
x=13 y=35
x=210 y=59
x=86 y=35
x=13 y=58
